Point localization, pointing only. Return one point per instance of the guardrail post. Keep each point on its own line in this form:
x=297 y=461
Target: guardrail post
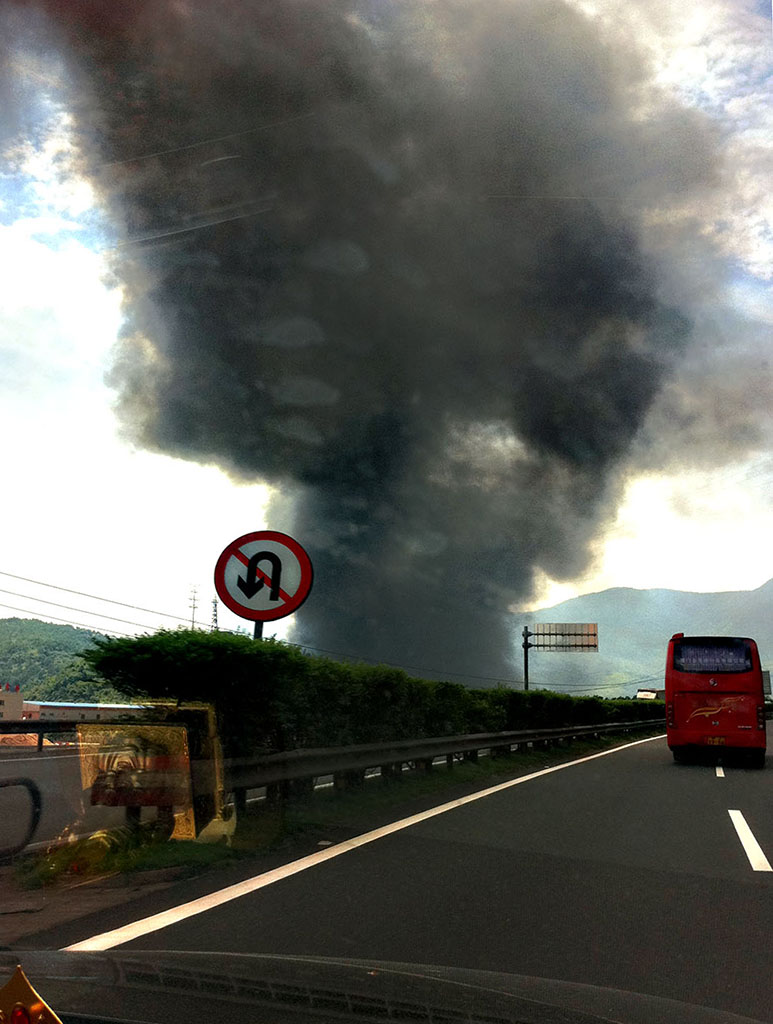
x=449 y=760
x=390 y=772
x=471 y=755
x=274 y=793
x=240 y=802
x=350 y=779
x=133 y=817
x=302 y=787
x=425 y=764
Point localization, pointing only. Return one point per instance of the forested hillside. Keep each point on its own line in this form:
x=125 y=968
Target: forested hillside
x=43 y=658
x=634 y=627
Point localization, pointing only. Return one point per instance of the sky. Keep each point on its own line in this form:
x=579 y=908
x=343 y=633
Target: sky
x=91 y=507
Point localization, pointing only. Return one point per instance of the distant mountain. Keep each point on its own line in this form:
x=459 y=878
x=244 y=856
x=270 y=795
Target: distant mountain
x=42 y=658
x=634 y=627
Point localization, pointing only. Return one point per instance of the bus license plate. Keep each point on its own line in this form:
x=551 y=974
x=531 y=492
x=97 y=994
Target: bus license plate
x=715 y=741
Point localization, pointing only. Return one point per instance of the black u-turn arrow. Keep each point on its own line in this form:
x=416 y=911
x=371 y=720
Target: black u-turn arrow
x=252 y=584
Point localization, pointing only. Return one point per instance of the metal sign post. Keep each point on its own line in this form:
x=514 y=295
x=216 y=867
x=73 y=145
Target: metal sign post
x=558 y=636
x=526 y=646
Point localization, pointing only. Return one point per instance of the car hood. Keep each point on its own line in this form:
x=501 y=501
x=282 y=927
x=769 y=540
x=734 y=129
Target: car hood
x=176 y=988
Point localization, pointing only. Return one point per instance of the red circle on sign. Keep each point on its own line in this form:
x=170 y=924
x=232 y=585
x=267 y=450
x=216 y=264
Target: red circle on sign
x=290 y=602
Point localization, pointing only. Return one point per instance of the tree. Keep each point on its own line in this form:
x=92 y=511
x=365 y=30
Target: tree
x=77 y=683
x=243 y=680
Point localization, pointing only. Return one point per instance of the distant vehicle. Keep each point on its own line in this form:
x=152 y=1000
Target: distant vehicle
x=714 y=697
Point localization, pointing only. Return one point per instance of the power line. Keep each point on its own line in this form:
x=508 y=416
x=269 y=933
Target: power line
x=70 y=608
x=69 y=622
x=300 y=644
x=205 y=142
x=391 y=664
x=595 y=686
x=179 y=618
x=321 y=650
x=168 y=233
x=93 y=597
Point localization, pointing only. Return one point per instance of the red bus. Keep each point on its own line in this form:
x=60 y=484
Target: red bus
x=714 y=696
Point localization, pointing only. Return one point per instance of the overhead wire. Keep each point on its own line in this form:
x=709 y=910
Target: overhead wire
x=179 y=618
x=621 y=682
x=299 y=644
x=93 y=597
x=206 y=142
x=70 y=608
x=411 y=668
x=69 y=622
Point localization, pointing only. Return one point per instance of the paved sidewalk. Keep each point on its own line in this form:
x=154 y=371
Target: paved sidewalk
x=25 y=912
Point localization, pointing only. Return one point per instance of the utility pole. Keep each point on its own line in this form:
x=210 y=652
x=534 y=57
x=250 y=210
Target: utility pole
x=192 y=602
x=214 y=615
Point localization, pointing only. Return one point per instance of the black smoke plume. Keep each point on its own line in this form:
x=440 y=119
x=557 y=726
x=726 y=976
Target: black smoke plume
x=387 y=257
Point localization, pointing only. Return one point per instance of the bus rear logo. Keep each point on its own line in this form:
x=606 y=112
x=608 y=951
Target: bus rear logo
x=726 y=704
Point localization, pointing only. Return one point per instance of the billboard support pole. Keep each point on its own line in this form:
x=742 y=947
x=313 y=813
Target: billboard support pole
x=258 y=631
x=526 y=646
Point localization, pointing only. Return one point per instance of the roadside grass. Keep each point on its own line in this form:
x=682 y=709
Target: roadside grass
x=117 y=851
x=268 y=827
x=350 y=808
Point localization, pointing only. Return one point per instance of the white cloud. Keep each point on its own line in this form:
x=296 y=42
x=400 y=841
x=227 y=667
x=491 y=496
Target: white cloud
x=697 y=531
x=716 y=56
x=50 y=169
x=83 y=510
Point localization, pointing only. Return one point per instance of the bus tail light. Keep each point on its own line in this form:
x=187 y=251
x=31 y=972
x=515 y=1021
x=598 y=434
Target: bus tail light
x=670 y=715
x=760 y=716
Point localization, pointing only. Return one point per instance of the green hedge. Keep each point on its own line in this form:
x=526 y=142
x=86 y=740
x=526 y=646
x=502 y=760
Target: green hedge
x=269 y=695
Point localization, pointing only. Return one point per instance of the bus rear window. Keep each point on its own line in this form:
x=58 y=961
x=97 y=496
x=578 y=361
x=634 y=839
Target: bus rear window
x=703 y=656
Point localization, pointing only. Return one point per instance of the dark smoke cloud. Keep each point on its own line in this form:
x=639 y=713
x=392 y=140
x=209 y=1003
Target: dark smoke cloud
x=388 y=257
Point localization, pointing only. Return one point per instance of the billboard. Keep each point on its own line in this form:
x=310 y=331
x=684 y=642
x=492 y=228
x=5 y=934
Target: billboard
x=564 y=636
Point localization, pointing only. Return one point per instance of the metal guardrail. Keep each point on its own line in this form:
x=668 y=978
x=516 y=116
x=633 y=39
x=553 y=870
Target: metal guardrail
x=242 y=774
x=44 y=727
x=279 y=771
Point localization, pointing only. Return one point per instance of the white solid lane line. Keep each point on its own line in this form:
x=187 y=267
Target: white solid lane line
x=135 y=930
x=720 y=772
x=752 y=848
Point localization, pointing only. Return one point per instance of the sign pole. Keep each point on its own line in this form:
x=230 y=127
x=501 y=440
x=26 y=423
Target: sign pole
x=526 y=646
x=258 y=631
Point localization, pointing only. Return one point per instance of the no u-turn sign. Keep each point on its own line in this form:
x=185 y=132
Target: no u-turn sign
x=263 y=576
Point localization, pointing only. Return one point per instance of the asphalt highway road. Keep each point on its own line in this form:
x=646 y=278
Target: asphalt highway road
x=623 y=871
